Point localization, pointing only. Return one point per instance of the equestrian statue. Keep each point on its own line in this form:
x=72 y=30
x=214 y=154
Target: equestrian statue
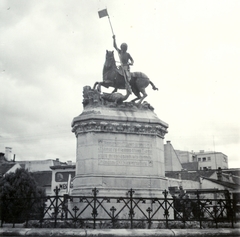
x=121 y=78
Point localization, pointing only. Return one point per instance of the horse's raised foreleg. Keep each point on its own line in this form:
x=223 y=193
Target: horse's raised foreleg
x=98 y=87
x=95 y=85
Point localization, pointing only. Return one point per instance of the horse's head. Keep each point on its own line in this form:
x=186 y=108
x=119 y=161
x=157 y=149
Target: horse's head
x=110 y=60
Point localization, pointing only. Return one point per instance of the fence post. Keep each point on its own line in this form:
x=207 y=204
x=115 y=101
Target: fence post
x=166 y=212
x=131 y=212
x=56 y=190
x=65 y=206
x=113 y=209
x=184 y=212
x=42 y=209
x=94 y=212
x=75 y=209
x=199 y=209
x=149 y=210
x=215 y=212
x=234 y=209
x=229 y=207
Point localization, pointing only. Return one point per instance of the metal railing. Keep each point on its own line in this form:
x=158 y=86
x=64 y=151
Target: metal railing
x=128 y=211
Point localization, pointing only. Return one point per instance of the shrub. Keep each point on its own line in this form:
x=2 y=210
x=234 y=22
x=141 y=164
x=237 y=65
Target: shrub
x=20 y=197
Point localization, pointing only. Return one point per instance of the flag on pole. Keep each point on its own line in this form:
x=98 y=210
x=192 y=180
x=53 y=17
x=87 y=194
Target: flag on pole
x=69 y=184
x=103 y=13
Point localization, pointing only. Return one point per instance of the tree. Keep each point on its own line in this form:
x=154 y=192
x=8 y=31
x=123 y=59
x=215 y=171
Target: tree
x=20 y=196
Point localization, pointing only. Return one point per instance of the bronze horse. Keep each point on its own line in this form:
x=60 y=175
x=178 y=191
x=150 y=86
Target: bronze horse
x=112 y=77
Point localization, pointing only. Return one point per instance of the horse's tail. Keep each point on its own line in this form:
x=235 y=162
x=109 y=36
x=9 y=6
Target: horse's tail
x=153 y=86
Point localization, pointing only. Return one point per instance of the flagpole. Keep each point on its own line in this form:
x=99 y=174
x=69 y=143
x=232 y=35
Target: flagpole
x=124 y=74
x=110 y=24
x=104 y=13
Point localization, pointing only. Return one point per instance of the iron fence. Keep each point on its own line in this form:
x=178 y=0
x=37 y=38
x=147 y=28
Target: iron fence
x=128 y=211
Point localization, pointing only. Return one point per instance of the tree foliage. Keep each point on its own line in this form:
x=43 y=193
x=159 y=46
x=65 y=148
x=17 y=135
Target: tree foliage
x=20 y=196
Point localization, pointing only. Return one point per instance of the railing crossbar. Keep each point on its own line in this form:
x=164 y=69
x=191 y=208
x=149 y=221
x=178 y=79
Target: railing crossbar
x=160 y=205
x=100 y=205
x=126 y=205
x=136 y=206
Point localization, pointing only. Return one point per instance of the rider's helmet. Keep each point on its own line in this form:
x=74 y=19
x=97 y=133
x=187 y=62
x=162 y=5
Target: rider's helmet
x=124 y=46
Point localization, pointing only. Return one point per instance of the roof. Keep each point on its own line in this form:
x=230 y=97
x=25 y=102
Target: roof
x=208 y=152
x=234 y=173
x=3 y=159
x=5 y=167
x=190 y=175
x=230 y=177
x=224 y=183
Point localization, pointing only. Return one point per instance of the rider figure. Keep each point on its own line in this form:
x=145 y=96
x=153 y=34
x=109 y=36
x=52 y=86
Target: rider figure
x=124 y=57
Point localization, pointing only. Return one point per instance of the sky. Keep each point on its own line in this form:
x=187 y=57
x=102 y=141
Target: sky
x=50 y=50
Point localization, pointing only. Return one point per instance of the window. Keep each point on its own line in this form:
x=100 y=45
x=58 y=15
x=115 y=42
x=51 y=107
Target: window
x=204 y=159
x=199 y=159
x=63 y=176
x=209 y=158
x=209 y=167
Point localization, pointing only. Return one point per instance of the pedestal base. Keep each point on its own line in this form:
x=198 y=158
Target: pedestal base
x=118 y=185
x=119 y=147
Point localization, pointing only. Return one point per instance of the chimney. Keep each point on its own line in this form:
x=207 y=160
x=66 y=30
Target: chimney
x=8 y=153
x=69 y=162
x=168 y=142
x=219 y=174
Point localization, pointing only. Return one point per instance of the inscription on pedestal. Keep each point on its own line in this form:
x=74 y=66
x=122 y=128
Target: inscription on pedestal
x=122 y=153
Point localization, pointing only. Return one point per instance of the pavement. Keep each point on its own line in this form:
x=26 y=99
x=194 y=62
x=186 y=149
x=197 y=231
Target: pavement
x=35 y=232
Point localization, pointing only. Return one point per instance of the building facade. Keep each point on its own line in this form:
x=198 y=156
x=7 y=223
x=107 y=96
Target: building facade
x=202 y=160
x=62 y=176
x=171 y=158
x=211 y=160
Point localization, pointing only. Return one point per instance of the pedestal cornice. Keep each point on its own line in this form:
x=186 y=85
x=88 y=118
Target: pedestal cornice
x=113 y=120
x=111 y=126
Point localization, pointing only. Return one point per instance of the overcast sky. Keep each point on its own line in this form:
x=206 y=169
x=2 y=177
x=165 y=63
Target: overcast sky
x=49 y=50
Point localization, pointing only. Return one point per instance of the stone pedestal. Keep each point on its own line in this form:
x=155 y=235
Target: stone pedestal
x=119 y=147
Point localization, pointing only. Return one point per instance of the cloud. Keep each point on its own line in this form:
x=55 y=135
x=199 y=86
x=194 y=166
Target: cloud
x=49 y=51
